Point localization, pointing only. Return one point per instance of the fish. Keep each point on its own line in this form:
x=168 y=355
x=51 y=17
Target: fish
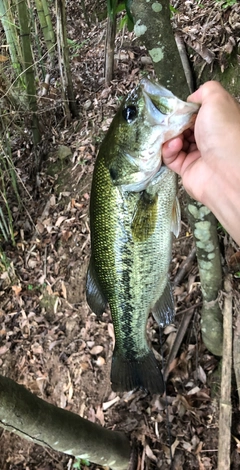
x=133 y=212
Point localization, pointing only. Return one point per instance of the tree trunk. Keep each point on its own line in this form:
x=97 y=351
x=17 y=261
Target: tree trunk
x=153 y=28
x=109 y=48
x=36 y=420
x=204 y=227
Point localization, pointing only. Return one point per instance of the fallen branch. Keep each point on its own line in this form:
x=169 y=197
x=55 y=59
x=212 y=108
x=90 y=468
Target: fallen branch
x=178 y=340
x=185 y=267
x=32 y=418
x=225 y=418
x=236 y=345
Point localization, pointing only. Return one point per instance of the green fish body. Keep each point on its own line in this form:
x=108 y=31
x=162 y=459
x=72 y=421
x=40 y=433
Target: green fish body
x=133 y=211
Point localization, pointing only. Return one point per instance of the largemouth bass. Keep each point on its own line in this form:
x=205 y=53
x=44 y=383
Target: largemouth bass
x=133 y=210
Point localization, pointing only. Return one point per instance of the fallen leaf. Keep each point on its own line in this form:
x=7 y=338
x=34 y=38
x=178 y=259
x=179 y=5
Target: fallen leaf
x=64 y=290
x=150 y=453
x=100 y=361
x=37 y=348
x=4 y=349
x=3 y=58
x=66 y=234
x=96 y=350
x=60 y=220
x=100 y=416
x=16 y=290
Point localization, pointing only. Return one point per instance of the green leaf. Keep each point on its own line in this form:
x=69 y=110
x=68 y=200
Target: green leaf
x=120 y=7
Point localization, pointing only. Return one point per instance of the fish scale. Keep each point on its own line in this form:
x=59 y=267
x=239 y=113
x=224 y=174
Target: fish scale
x=133 y=211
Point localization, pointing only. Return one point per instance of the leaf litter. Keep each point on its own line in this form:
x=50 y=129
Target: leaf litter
x=49 y=339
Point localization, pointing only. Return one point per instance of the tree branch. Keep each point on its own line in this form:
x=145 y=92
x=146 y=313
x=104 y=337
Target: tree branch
x=36 y=420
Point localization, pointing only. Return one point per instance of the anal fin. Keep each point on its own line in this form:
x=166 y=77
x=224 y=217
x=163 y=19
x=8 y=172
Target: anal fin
x=163 y=310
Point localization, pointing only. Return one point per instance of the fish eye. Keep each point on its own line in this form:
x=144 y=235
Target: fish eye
x=129 y=113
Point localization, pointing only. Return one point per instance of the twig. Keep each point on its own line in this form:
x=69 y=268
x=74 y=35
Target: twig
x=184 y=59
x=185 y=267
x=236 y=345
x=181 y=312
x=225 y=418
x=178 y=340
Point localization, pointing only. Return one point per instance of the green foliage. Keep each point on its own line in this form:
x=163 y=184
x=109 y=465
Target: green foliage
x=31 y=287
x=173 y=10
x=227 y=3
x=4 y=261
x=76 y=45
x=115 y=6
x=8 y=179
x=81 y=462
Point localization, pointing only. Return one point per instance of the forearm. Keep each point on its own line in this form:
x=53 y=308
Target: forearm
x=224 y=201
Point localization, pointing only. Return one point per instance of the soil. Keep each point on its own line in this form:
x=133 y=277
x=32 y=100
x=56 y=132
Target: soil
x=50 y=341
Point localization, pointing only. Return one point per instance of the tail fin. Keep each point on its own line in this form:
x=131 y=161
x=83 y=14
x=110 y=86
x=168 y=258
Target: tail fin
x=142 y=372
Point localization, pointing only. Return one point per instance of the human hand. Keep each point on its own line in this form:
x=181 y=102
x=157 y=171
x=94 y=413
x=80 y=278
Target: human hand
x=208 y=158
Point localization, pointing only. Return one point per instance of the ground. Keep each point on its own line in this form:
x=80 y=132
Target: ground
x=50 y=341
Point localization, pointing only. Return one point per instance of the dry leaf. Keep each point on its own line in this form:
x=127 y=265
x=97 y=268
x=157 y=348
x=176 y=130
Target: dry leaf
x=3 y=58
x=4 y=349
x=100 y=361
x=66 y=234
x=150 y=453
x=96 y=350
x=60 y=220
x=40 y=227
x=174 y=446
x=201 y=374
x=37 y=348
x=111 y=332
x=64 y=290
x=16 y=290
x=100 y=415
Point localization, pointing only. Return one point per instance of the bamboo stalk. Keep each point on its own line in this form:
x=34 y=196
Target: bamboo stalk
x=28 y=67
x=63 y=60
x=46 y=26
x=48 y=21
x=10 y=33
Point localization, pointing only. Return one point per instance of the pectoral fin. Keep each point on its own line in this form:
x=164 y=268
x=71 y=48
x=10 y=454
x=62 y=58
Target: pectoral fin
x=163 y=310
x=95 y=297
x=176 y=218
x=145 y=217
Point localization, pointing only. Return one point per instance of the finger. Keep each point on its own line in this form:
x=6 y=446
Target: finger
x=182 y=162
x=171 y=148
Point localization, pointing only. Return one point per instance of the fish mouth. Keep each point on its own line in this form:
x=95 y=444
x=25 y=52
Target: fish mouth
x=164 y=108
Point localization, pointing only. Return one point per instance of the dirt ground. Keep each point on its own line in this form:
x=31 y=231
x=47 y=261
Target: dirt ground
x=50 y=341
